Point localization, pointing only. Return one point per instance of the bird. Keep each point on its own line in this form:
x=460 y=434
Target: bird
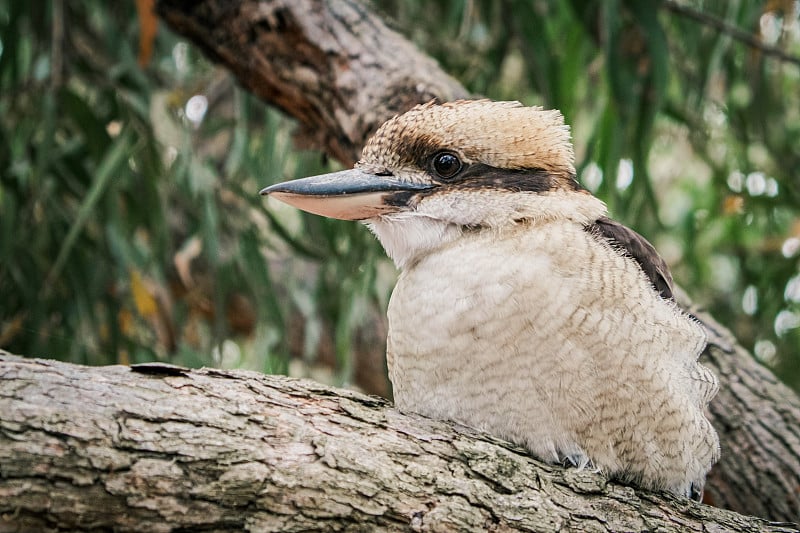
x=521 y=309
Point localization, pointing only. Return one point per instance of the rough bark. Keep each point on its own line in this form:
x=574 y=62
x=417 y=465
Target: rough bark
x=313 y=59
x=758 y=420
x=161 y=448
x=340 y=71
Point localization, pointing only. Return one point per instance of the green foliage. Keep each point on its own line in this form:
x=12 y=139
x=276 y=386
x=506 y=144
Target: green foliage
x=131 y=228
x=127 y=232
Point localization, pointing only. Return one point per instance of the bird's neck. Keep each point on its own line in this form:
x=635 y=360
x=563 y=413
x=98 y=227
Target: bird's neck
x=408 y=236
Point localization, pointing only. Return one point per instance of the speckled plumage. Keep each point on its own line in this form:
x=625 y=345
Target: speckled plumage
x=548 y=337
x=520 y=310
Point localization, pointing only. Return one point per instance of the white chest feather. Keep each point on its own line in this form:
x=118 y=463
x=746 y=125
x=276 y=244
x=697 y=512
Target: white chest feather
x=548 y=337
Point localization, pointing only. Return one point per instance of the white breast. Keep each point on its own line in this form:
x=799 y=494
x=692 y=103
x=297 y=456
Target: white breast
x=545 y=335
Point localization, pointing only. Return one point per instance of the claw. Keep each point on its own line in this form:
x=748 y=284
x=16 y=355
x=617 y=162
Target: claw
x=578 y=460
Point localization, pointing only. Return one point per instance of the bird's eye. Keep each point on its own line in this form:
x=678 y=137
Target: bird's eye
x=446 y=165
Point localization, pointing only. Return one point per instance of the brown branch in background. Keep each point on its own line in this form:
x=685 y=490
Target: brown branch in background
x=733 y=31
x=312 y=59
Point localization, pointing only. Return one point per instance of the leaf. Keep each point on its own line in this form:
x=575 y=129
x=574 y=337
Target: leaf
x=113 y=160
x=148 y=25
x=144 y=301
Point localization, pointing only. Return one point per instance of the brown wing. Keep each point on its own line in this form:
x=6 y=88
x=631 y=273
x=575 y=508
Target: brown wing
x=637 y=247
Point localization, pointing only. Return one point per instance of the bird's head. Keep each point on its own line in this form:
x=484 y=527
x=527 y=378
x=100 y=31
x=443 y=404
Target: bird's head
x=429 y=173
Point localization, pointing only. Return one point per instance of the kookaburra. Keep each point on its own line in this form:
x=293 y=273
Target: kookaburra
x=521 y=309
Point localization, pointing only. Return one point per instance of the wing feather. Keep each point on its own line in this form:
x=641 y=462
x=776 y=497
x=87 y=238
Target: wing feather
x=639 y=249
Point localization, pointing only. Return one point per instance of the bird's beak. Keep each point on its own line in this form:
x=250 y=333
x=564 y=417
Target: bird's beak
x=346 y=195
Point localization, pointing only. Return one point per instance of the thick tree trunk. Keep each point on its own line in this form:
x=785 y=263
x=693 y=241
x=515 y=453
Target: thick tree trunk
x=160 y=448
x=341 y=72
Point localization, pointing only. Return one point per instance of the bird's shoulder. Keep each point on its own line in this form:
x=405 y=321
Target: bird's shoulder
x=630 y=243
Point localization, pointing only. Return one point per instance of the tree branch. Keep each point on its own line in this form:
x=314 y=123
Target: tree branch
x=758 y=421
x=313 y=59
x=731 y=30
x=160 y=448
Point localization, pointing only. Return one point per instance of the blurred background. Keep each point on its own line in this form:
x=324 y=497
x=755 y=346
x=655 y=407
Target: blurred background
x=131 y=228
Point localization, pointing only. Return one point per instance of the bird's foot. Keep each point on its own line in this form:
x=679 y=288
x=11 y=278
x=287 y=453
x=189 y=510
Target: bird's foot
x=695 y=491
x=579 y=460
